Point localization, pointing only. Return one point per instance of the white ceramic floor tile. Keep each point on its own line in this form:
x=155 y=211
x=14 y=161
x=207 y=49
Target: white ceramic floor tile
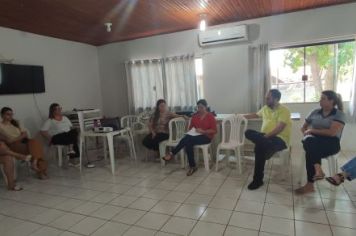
x=311 y=215
x=245 y=220
x=111 y=228
x=214 y=215
x=46 y=231
x=123 y=201
x=48 y=216
x=223 y=203
x=176 y=196
x=249 y=206
x=144 y=204
x=23 y=229
x=233 y=231
x=87 y=208
x=69 y=204
x=190 y=211
x=278 y=211
x=277 y=225
x=342 y=219
x=340 y=231
x=207 y=229
x=105 y=197
x=306 y=228
x=67 y=220
x=87 y=226
x=198 y=199
x=166 y=207
x=138 y=231
x=153 y=221
x=177 y=225
x=129 y=216
x=107 y=212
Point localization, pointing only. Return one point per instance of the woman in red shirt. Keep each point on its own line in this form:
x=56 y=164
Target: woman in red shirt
x=202 y=130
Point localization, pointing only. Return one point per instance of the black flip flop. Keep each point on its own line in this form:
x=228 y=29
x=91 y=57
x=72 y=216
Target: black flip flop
x=332 y=181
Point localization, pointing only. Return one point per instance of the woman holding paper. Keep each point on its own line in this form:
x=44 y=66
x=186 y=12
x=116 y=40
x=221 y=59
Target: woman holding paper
x=201 y=131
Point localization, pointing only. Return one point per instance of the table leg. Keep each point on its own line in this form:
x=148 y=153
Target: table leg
x=111 y=152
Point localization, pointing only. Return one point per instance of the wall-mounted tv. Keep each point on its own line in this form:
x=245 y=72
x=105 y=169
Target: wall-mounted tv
x=17 y=79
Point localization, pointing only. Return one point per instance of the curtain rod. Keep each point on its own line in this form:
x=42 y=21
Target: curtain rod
x=312 y=41
x=159 y=59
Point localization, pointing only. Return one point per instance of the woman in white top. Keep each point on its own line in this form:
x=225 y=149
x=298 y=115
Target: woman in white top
x=58 y=130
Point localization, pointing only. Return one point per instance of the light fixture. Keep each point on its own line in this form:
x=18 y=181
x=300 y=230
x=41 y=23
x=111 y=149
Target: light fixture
x=108 y=26
x=202 y=24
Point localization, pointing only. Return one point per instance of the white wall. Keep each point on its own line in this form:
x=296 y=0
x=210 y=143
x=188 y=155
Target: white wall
x=226 y=77
x=71 y=74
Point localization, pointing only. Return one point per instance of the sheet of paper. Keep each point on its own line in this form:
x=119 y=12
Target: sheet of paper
x=193 y=132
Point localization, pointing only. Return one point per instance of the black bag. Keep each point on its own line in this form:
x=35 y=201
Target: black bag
x=113 y=122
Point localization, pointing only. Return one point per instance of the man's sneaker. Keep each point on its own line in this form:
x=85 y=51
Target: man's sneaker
x=255 y=185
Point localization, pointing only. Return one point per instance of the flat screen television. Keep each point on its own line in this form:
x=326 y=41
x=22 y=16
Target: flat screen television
x=17 y=79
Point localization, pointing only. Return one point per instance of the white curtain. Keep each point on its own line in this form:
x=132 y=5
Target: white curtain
x=260 y=81
x=145 y=84
x=352 y=104
x=181 y=83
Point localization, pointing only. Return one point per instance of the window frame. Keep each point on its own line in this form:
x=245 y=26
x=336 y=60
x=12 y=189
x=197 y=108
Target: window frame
x=305 y=45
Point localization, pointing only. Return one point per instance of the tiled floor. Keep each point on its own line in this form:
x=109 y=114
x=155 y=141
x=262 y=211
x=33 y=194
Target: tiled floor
x=144 y=199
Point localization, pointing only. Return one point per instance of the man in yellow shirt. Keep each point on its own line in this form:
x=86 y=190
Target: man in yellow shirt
x=274 y=135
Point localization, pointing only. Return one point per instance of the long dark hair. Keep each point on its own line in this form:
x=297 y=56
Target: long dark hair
x=337 y=99
x=13 y=121
x=52 y=108
x=156 y=113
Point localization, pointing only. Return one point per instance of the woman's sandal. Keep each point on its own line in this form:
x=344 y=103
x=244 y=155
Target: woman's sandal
x=16 y=188
x=170 y=157
x=332 y=180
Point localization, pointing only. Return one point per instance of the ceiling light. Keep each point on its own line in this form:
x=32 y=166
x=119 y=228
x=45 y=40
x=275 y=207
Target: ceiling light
x=108 y=26
x=202 y=24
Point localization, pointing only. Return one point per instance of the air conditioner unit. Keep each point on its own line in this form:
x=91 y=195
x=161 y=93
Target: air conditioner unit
x=223 y=35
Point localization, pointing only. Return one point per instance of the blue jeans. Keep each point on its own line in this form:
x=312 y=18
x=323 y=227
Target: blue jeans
x=350 y=169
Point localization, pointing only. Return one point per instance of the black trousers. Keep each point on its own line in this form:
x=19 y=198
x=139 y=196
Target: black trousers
x=188 y=142
x=153 y=143
x=264 y=150
x=316 y=148
x=67 y=138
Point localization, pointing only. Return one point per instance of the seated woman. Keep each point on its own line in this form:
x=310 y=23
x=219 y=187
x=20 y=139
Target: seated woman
x=16 y=138
x=158 y=126
x=6 y=159
x=322 y=131
x=58 y=131
x=204 y=124
x=348 y=172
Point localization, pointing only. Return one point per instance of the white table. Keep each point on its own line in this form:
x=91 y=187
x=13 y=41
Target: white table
x=126 y=133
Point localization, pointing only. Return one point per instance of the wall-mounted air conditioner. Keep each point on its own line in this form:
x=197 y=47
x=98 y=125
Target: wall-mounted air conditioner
x=223 y=35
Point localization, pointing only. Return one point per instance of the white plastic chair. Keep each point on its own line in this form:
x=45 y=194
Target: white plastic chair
x=235 y=141
x=206 y=150
x=60 y=154
x=332 y=165
x=285 y=157
x=177 y=129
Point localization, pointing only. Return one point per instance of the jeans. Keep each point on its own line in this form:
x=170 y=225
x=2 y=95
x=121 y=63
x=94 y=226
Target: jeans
x=153 y=143
x=188 y=142
x=67 y=138
x=316 y=148
x=264 y=150
x=350 y=169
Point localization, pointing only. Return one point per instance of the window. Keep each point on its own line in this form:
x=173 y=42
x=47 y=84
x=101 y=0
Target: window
x=302 y=73
x=177 y=79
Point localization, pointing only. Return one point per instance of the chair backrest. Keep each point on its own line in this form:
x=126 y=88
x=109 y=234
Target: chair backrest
x=233 y=129
x=86 y=119
x=129 y=121
x=177 y=129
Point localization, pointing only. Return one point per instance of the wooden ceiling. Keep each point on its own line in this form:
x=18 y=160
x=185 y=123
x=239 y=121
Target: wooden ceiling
x=83 y=20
